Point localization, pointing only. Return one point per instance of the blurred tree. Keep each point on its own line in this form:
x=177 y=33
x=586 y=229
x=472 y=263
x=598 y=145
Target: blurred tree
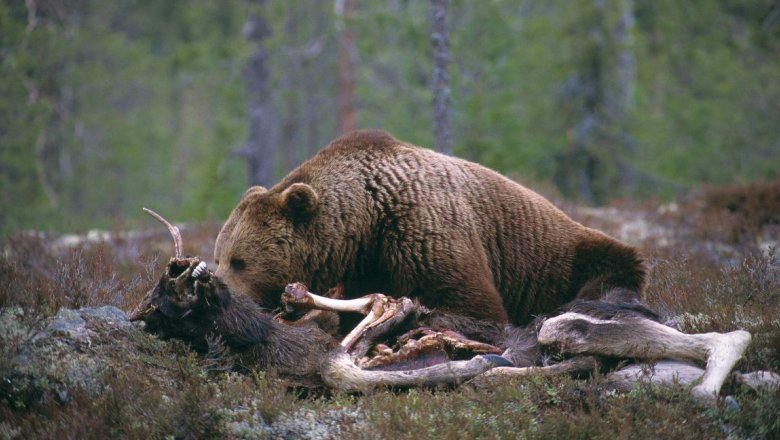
x=346 y=110
x=108 y=106
x=442 y=140
x=598 y=98
x=291 y=79
x=393 y=81
x=116 y=115
x=307 y=51
x=22 y=193
x=260 y=149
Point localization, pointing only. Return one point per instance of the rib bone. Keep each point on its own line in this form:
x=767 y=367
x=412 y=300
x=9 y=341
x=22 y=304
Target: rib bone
x=432 y=346
x=386 y=313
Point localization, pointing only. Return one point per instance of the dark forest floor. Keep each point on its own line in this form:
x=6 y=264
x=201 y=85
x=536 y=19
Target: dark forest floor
x=713 y=268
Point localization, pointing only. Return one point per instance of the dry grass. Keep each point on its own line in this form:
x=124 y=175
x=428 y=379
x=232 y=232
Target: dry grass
x=46 y=273
x=690 y=282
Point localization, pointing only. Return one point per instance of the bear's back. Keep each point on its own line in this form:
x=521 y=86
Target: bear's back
x=536 y=256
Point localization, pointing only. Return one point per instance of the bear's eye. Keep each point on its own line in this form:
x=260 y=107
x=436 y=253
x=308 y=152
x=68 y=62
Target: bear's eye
x=237 y=264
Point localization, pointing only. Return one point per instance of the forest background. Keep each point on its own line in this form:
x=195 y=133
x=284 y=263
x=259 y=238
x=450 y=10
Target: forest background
x=107 y=106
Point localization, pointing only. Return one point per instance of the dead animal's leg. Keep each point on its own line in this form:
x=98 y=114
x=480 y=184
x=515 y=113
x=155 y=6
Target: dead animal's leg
x=577 y=364
x=759 y=380
x=683 y=373
x=635 y=337
x=339 y=372
x=665 y=373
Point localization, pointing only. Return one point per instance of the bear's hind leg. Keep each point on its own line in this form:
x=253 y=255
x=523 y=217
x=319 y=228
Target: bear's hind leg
x=471 y=296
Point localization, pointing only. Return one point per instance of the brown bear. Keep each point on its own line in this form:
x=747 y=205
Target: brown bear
x=380 y=215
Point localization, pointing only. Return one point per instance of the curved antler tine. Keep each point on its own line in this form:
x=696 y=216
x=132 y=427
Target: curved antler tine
x=177 y=242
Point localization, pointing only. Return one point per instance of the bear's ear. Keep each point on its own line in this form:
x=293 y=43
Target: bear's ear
x=253 y=190
x=300 y=200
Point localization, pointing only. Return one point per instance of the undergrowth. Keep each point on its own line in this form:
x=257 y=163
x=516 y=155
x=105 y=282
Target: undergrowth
x=167 y=391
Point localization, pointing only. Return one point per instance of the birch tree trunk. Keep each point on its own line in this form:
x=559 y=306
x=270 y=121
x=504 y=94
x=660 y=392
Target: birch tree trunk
x=625 y=62
x=291 y=82
x=346 y=37
x=622 y=99
x=260 y=149
x=442 y=140
x=595 y=165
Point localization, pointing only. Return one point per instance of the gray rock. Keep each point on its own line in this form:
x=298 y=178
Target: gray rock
x=246 y=422
x=308 y=424
x=69 y=324
x=109 y=314
x=12 y=328
x=74 y=348
x=731 y=404
x=760 y=380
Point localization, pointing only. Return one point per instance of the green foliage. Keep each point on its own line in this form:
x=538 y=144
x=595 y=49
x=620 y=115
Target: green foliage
x=704 y=104
x=112 y=106
x=109 y=106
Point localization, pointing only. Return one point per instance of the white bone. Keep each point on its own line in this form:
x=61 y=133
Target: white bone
x=645 y=339
x=360 y=305
x=663 y=373
x=199 y=269
x=358 y=331
x=760 y=380
x=340 y=372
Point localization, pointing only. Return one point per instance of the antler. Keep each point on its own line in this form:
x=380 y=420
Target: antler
x=177 y=242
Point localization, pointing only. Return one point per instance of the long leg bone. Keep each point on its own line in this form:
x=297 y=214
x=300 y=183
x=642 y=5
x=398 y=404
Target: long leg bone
x=382 y=313
x=759 y=380
x=668 y=372
x=296 y=297
x=340 y=372
x=578 y=364
x=663 y=372
x=642 y=338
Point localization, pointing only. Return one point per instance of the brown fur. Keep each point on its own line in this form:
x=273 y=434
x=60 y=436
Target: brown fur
x=199 y=312
x=380 y=215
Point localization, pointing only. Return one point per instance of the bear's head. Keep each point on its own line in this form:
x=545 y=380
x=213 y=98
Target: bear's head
x=262 y=246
